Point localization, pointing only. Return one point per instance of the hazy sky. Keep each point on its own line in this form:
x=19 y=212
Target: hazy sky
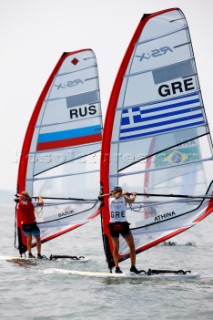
x=35 y=33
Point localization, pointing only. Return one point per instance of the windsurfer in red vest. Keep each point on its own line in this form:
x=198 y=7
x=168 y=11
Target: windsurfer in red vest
x=119 y=225
x=26 y=208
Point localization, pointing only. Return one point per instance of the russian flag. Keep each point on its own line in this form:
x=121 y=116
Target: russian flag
x=68 y=138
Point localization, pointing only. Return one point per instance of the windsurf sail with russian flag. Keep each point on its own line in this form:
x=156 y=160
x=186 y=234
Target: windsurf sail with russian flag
x=61 y=150
x=156 y=138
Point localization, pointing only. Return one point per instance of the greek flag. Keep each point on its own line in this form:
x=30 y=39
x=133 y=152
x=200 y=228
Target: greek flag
x=162 y=117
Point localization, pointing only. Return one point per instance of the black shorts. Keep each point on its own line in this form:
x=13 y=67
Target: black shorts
x=31 y=229
x=119 y=228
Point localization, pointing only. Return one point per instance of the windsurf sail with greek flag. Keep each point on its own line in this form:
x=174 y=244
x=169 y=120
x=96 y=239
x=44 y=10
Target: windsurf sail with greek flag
x=156 y=138
x=61 y=150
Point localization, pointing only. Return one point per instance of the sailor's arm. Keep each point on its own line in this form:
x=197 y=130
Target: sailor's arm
x=132 y=199
x=40 y=201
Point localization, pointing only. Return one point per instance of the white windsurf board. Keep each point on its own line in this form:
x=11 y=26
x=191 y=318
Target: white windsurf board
x=125 y=275
x=16 y=258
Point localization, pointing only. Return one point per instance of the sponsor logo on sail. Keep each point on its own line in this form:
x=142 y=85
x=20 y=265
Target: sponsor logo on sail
x=165 y=216
x=71 y=83
x=155 y=53
x=65 y=213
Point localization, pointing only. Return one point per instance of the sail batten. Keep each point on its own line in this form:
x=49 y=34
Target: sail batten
x=163 y=35
x=62 y=175
x=77 y=71
x=151 y=103
x=159 y=169
x=156 y=139
x=129 y=75
x=57 y=123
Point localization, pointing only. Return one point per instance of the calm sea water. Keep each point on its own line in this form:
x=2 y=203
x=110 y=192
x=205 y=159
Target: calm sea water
x=27 y=292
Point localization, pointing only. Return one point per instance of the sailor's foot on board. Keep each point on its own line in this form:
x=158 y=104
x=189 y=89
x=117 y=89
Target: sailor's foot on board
x=133 y=269
x=30 y=255
x=118 y=270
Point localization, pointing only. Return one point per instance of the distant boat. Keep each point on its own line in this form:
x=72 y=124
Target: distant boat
x=61 y=149
x=156 y=138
